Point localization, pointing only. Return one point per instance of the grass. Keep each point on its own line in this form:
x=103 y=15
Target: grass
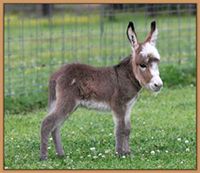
x=163 y=136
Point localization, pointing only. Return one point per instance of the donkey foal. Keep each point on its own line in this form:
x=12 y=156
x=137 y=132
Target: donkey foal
x=113 y=89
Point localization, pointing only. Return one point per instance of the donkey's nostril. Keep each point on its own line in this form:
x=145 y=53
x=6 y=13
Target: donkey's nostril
x=158 y=86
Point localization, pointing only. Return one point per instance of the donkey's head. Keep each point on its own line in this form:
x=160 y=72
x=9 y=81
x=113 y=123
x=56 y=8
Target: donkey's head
x=145 y=58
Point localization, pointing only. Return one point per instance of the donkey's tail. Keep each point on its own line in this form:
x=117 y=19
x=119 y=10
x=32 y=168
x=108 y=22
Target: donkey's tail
x=52 y=94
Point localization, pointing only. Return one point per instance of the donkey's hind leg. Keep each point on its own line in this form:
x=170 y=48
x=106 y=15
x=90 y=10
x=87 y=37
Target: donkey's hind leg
x=48 y=124
x=52 y=123
x=57 y=141
x=69 y=109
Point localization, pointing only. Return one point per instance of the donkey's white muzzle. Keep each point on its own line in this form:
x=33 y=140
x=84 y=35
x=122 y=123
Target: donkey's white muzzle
x=156 y=84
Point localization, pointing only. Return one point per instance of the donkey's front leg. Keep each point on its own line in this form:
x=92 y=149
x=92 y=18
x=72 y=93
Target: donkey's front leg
x=119 y=135
x=122 y=132
x=127 y=131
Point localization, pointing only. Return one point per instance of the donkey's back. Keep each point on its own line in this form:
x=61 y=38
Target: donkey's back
x=86 y=83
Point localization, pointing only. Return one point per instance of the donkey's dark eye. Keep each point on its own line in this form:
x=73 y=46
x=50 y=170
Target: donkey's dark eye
x=143 y=65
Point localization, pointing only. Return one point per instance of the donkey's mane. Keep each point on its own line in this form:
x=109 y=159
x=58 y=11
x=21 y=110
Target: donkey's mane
x=124 y=61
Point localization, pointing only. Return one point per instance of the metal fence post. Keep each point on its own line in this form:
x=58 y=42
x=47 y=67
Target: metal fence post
x=9 y=51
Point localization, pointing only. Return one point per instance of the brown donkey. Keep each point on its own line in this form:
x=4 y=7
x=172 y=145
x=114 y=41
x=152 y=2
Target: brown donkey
x=114 y=89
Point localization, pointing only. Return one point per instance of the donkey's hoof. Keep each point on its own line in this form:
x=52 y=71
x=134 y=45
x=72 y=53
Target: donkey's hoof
x=128 y=152
x=123 y=153
x=60 y=155
x=120 y=153
x=43 y=158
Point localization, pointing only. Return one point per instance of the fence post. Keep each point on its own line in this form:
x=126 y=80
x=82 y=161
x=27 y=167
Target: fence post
x=89 y=32
x=9 y=54
x=22 y=45
x=179 y=34
x=51 y=42
x=101 y=28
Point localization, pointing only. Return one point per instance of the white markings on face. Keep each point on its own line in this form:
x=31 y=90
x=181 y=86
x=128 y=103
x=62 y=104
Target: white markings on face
x=154 y=69
x=156 y=83
x=148 y=49
x=91 y=104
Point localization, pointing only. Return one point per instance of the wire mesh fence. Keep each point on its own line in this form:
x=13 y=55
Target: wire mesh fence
x=39 y=38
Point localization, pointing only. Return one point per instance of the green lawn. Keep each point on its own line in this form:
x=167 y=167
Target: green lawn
x=163 y=136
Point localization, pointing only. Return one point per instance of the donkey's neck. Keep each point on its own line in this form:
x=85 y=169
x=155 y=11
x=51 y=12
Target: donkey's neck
x=125 y=70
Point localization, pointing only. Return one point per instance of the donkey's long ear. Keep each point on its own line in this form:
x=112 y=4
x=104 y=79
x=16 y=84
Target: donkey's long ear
x=153 y=35
x=132 y=36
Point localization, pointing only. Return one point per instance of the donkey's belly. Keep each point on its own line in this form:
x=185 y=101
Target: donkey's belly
x=91 y=104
